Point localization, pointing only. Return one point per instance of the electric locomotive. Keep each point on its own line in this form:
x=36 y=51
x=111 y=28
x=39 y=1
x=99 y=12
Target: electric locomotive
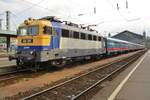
x=51 y=40
x=57 y=42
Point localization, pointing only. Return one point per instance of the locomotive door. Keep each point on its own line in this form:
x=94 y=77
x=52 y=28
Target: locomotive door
x=54 y=42
x=55 y=38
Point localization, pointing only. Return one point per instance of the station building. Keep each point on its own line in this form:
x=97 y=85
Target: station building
x=7 y=37
x=7 y=40
x=131 y=37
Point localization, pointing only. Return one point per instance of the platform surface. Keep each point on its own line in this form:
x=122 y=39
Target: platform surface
x=137 y=86
x=4 y=62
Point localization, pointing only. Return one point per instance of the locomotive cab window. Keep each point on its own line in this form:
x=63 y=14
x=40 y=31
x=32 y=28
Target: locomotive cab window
x=30 y=30
x=22 y=31
x=47 y=30
x=65 y=33
x=33 y=30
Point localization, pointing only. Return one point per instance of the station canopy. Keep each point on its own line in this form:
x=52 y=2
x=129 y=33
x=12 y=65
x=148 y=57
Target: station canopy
x=8 y=33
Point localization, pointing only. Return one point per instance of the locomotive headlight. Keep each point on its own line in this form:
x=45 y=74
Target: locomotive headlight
x=31 y=52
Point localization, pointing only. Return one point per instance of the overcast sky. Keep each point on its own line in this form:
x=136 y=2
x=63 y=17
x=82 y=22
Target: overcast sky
x=109 y=20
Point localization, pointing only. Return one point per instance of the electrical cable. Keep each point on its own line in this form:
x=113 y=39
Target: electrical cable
x=18 y=17
x=14 y=23
x=51 y=10
x=29 y=8
x=117 y=11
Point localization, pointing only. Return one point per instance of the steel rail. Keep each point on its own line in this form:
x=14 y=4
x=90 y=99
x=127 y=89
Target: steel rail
x=60 y=84
x=11 y=75
x=101 y=80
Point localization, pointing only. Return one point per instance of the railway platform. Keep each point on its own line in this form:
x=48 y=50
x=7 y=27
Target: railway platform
x=6 y=65
x=134 y=83
x=5 y=62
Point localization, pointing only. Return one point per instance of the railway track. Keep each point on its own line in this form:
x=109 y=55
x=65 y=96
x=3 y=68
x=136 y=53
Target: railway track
x=80 y=86
x=4 y=78
x=8 y=76
x=16 y=76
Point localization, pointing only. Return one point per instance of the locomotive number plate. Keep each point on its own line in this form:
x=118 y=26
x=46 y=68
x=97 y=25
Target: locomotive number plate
x=27 y=40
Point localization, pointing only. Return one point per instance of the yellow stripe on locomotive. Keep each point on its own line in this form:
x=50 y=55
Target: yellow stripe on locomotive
x=38 y=39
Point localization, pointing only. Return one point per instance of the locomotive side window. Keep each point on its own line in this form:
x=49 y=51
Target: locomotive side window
x=94 y=38
x=47 y=30
x=89 y=37
x=65 y=33
x=83 y=36
x=99 y=38
x=76 y=35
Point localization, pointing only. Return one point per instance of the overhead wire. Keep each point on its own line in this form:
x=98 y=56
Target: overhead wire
x=82 y=14
x=127 y=20
x=53 y=11
x=29 y=8
x=1 y=14
x=37 y=5
x=117 y=11
x=17 y=17
x=14 y=23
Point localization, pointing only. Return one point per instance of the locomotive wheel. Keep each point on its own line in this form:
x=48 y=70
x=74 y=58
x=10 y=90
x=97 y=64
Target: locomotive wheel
x=60 y=63
x=35 y=67
x=20 y=64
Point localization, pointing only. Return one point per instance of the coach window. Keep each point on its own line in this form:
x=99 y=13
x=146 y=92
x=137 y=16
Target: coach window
x=83 y=36
x=94 y=38
x=76 y=35
x=65 y=33
x=99 y=38
x=89 y=37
